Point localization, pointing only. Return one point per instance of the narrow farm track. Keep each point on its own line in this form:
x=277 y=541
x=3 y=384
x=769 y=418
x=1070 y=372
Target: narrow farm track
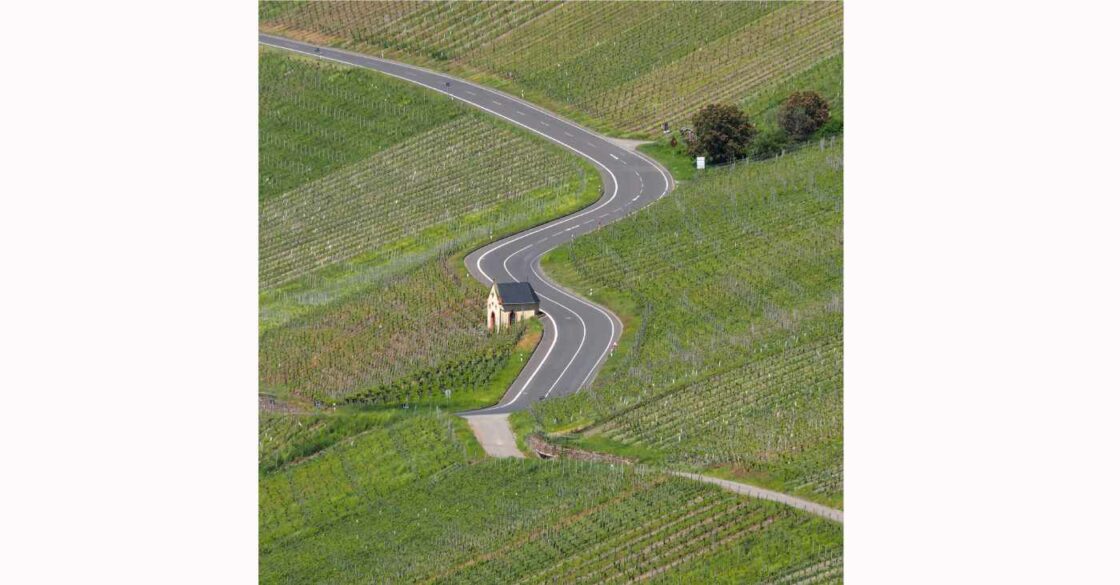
x=765 y=494
x=578 y=335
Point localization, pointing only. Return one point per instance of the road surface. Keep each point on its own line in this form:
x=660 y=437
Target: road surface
x=578 y=335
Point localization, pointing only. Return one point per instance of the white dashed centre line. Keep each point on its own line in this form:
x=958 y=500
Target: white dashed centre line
x=545 y=124
x=602 y=204
x=613 y=156
x=520 y=113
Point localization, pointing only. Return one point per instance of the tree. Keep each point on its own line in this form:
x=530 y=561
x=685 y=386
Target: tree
x=769 y=144
x=722 y=133
x=802 y=114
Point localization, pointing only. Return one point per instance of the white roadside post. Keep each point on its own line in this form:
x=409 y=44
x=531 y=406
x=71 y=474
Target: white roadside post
x=699 y=162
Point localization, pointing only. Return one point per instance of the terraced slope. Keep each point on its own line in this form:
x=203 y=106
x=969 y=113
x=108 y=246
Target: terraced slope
x=370 y=186
x=316 y=118
x=622 y=67
x=398 y=504
x=303 y=497
x=448 y=185
x=737 y=360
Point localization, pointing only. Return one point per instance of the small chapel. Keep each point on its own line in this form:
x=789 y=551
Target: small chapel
x=509 y=303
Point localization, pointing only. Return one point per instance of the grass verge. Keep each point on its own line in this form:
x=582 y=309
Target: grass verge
x=680 y=164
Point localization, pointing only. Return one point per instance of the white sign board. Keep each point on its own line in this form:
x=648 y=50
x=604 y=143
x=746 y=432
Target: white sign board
x=699 y=162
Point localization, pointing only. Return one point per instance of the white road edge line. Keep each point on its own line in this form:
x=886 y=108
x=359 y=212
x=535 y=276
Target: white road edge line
x=544 y=359
x=610 y=319
x=582 y=339
x=583 y=324
x=526 y=234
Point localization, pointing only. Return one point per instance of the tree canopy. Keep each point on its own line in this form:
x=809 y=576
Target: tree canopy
x=723 y=133
x=802 y=114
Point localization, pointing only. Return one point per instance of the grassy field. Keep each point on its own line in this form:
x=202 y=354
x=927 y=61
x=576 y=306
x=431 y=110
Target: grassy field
x=736 y=362
x=372 y=190
x=364 y=459
x=408 y=501
x=317 y=117
x=620 y=67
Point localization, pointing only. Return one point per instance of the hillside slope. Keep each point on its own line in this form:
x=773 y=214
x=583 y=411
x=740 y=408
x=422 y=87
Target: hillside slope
x=409 y=501
x=620 y=67
x=737 y=361
x=370 y=187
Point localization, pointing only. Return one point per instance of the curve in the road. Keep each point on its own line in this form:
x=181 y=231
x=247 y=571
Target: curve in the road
x=578 y=334
x=568 y=356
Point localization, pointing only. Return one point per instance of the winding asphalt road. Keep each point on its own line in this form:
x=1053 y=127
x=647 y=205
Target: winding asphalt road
x=578 y=335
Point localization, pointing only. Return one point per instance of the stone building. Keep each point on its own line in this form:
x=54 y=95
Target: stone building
x=510 y=302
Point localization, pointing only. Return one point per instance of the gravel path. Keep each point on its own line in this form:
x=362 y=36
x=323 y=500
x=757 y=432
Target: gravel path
x=764 y=494
x=494 y=434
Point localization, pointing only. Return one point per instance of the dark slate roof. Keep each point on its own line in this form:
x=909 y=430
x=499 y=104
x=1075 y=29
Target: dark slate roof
x=517 y=293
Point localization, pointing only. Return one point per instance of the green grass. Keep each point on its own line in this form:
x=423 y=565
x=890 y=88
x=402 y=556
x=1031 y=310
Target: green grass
x=504 y=521
x=363 y=257
x=780 y=480
x=408 y=497
x=619 y=67
x=372 y=191
x=737 y=361
x=674 y=158
x=825 y=78
x=796 y=553
x=317 y=117
x=501 y=381
x=464 y=385
x=284 y=438
x=304 y=497
x=602 y=444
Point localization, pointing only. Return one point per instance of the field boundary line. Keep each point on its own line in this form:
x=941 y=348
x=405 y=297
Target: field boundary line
x=765 y=494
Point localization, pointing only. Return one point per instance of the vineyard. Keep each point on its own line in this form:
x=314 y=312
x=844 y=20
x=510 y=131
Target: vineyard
x=385 y=184
x=284 y=438
x=417 y=338
x=460 y=175
x=317 y=117
x=445 y=186
x=400 y=504
x=371 y=190
x=737 y=360
x=297 y=500
x=622 y=67
x=826 y=78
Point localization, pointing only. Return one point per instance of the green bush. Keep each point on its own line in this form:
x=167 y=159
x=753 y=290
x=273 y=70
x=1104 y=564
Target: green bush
x=723 y=133
x=833 y=127
x=803 y=113
x=769 y=144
